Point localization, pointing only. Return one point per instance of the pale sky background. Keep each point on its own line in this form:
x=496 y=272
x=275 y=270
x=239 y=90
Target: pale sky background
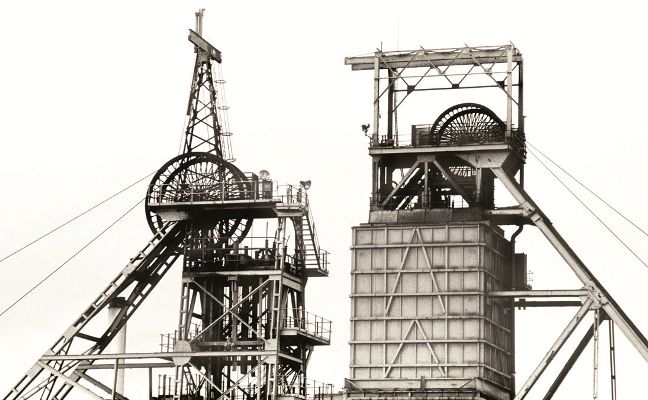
x=93 y=94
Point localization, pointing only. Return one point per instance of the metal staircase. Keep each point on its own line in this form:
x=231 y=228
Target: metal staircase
x=315 y=258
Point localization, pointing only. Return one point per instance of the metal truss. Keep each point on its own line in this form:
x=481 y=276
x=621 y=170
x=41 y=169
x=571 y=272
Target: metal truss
x=243 y=331
x=255 y=315
x=206 y=129
x=56 y=374
x=594 y=295
x=423 y=69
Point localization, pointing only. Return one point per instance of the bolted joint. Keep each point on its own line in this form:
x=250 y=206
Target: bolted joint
x=597 y=297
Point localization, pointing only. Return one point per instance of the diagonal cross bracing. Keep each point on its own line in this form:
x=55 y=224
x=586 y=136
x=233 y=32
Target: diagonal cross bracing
x=145 y=270
x=595 y=288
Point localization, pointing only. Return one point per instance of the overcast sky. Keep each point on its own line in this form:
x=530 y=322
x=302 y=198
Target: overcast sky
x=93 y=94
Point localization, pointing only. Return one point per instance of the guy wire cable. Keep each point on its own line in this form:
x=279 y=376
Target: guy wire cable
x=73 y=219
x=590 y=210
x=97 y=236
x=589 y=190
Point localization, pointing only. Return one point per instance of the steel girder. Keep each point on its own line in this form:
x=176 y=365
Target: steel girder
x=53 y=378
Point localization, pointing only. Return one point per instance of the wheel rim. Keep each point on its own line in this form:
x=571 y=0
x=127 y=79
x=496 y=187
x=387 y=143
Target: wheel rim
x=201 y=177
x=467 y=123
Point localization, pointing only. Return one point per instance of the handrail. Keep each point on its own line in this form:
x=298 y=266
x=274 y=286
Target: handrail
x=421 y=137
x=220 y=192
x=308 y=323
x=321 y=255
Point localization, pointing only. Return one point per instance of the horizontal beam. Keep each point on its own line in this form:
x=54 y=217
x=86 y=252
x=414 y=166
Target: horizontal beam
x=166 y=355
x=128 y=365
x=540 y=293
x=439 y=149
x=428 y=57
x=607 y=302
x=554 y=303
x=204 y=45
x=69 y=381
x=520 y=211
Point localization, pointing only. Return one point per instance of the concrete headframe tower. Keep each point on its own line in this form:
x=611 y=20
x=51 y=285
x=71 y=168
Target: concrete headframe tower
x=435 y=281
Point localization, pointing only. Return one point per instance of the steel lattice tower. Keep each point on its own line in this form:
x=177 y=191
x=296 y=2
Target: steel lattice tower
x=243 y=330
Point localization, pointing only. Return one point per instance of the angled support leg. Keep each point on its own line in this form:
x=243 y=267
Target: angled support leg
x=402 y=182
x=137 y=280
x=71 y=382
x=571 y=361
x=539 y=219
x=457 y=188
x=569 y=329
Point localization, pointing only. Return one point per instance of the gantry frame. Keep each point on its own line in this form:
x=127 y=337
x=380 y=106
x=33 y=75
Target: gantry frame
x=450 y=68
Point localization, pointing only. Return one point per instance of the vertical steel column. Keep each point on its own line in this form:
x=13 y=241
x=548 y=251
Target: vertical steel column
x=199 y=18
x=566 y=333
x=596 y=354
x=570 y=363
x=613 y=380
x=513 y=287
x=115 y=380
x=509 y=91
x=426 y=185
x=520 y=105
x=376 y=118
x=390 y=104
x=118 y=344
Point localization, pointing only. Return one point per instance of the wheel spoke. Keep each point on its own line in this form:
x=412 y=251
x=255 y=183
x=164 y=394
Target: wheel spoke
x=206 y=177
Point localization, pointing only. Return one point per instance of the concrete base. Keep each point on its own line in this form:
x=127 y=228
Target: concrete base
x=428 y=389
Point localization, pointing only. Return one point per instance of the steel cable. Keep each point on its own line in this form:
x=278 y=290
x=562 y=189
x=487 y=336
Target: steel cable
x=589 y=190
x=71 y=258
x=73 y=219
x=589 y=209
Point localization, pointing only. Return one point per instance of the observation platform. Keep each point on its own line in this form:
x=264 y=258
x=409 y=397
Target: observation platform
x=424 y=140
x=232 y=199
x=309 y=328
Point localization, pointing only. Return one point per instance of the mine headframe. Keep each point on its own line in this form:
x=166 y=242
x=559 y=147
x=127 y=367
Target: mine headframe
x=427 y=167
x=243 y=331
x=429 y=187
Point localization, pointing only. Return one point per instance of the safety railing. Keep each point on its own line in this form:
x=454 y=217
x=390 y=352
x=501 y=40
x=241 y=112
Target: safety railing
x=413 y=202
x=324 y=262
x=168 y=340
x=421 y=136
x=308 y=323
x=300 y=387
x=321 y=256
x=319 y=390
x=253 y=251
x=170 y=388
x=306 y=389
x=226 y=191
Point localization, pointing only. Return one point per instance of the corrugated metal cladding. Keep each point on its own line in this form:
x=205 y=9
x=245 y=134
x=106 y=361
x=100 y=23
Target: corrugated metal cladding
x=420 y=317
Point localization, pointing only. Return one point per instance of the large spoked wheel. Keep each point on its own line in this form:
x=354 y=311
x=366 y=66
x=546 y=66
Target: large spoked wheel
x=196 y=177
x=467 y=123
